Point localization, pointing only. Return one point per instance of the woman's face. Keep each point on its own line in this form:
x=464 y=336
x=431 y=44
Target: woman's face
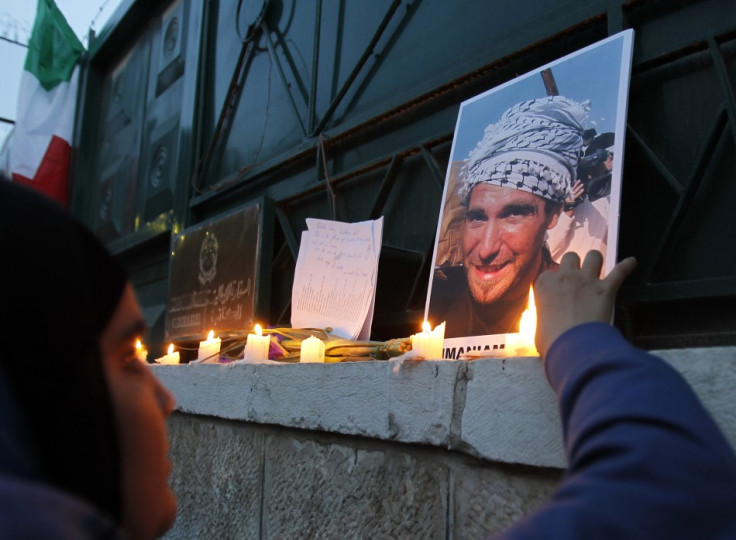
x=141 y=405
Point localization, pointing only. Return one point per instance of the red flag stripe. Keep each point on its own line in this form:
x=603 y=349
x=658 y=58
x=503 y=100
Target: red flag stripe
x=51 y=176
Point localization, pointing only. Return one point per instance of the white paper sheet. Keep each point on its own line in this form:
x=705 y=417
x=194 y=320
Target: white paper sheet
x=335 y=277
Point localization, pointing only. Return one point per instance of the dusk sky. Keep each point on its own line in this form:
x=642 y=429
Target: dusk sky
x=16 y=22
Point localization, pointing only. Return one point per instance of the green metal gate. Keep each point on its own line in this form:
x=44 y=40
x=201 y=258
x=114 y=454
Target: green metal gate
x=344 y=109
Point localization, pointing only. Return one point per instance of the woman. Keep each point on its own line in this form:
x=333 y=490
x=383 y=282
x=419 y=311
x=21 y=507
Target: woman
x=83 y=448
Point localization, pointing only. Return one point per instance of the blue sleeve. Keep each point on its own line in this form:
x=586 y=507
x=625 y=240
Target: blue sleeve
x=645 y=460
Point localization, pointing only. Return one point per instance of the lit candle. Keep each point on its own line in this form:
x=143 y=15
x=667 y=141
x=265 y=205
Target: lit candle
x=428 y=343
x=522 y=344
x=313 y=350
x=257 y=345
x=140 y=351
x=209 y=349
x=170 y=358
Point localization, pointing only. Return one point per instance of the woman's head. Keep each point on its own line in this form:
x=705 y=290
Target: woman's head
x=59 y=293
x=141 y=405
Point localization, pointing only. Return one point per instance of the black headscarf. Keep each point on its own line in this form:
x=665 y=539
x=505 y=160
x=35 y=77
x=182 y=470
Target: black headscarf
x=58 y=290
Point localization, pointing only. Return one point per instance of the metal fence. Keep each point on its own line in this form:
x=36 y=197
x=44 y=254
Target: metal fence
x=345 y=109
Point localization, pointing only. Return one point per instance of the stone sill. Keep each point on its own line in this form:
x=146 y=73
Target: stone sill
x=496 y=409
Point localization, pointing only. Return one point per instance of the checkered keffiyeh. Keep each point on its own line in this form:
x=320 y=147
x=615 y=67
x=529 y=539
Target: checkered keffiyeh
x=534 y=147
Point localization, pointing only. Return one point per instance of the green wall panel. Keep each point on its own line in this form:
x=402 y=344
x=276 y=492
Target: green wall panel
x=346 y=108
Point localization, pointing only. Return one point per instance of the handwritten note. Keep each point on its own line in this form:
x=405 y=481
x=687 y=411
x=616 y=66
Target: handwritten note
x=335 y=277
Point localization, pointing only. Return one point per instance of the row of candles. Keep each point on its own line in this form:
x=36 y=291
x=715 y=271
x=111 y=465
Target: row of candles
x=256 y=349
x=427 y=343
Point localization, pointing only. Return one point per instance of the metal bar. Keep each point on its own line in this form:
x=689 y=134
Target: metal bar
x=725 y=82
x=434 y=167
x=236 y=85
x=387 y=184
x=282 y=75
x=282 y=314
x=692 y=289
x=204 y=87
x=283 y=252
x=663 y=251
x=321 y=152
x=358 y=66
x=280 y=259
x=228 y=108
x=308 y=149
x=423 y=270
x=550 y=85
x=288 y=231
x=654 y=159
x=315 y=65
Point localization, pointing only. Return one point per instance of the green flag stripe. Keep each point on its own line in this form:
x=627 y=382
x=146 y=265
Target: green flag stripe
x=54 y=49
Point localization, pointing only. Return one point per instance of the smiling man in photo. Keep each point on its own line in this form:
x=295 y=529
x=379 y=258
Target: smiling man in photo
x=512 y=188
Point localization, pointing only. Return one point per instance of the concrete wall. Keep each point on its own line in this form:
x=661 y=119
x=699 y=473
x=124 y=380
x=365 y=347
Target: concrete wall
x=435 y=449
x=238 y=480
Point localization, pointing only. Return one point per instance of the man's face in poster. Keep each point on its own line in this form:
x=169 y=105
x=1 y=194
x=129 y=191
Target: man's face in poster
x=510 y=190
x=503 y=235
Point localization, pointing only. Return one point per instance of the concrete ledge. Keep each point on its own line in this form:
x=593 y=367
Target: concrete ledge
x=496 y=409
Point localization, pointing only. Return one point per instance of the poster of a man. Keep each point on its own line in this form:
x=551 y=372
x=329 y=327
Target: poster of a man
x=535 y=171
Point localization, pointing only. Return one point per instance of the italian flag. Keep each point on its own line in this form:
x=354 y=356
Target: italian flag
x=41 y=146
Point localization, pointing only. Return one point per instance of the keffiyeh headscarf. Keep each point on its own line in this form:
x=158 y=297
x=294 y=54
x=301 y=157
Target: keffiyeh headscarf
x=534 y=147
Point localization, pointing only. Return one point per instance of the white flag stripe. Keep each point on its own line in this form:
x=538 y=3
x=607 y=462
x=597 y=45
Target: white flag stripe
x=41 y=114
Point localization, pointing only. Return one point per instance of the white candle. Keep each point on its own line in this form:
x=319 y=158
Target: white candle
x=428 y=343
x=171 y=358
x=313 y=350
x=257 y=345
x=209 y=349
x=140 y=351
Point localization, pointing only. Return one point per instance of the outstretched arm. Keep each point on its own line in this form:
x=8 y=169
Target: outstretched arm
x=645 y=458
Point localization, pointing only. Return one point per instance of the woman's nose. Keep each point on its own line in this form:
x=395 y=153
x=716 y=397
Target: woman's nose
x=166 y=399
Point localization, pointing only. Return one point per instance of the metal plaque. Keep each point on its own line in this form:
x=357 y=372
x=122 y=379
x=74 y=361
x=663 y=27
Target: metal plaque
x=214 y=276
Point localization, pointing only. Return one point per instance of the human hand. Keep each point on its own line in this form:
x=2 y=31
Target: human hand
x=575 y=197
x=578 y=190
x=573 y=295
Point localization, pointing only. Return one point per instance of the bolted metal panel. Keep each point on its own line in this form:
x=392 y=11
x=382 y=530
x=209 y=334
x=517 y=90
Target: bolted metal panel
x=135 y=145
x=678 y=200
x=120 y=144
x=345 y=110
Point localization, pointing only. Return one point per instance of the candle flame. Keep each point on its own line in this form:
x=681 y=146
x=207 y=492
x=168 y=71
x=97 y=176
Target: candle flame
x=171 y=348
x=211 y=335
x=528 y=324
x=259 y=330
x=138 y=345
x=426 y=327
